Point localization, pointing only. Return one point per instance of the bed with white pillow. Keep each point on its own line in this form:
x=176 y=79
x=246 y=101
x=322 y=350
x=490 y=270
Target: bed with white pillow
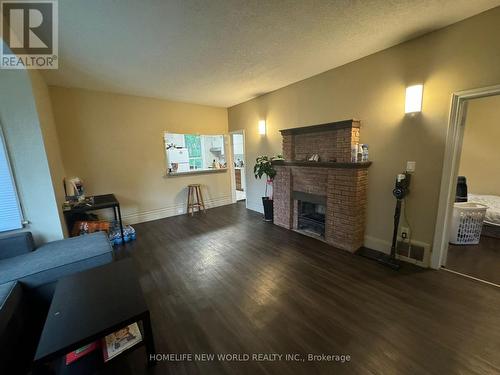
x=493 y=203
x=491 y=227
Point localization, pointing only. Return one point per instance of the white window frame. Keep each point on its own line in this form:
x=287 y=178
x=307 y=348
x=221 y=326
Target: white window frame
x=3 y=144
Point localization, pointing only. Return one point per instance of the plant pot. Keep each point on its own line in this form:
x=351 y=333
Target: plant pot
x=268 y=208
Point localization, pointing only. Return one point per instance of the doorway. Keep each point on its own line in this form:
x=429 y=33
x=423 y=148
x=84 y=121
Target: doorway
x=238 y=177
x=468 y=225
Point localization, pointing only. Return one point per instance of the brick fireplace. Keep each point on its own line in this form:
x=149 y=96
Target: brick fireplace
x=327 y=198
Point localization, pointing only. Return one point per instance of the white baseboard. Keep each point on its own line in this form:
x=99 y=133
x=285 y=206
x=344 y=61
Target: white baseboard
x=174 y=210
x=377 y=244
x=385 y=247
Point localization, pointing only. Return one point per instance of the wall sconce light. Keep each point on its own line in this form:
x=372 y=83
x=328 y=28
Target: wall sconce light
x=262 y=127
x=413 y=102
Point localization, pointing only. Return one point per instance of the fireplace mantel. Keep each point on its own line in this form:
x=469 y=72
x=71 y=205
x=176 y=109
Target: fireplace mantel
x=322 y=164
x=343 y=124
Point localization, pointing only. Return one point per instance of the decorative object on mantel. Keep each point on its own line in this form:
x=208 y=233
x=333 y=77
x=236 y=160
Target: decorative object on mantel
x=359 y=152
x=325 y=199
x=263 y=166
x=314 y=157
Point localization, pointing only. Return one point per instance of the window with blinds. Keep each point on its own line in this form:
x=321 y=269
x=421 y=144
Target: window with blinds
x=10 y=211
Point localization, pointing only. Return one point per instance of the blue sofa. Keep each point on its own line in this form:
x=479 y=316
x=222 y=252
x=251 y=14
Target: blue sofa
x=28 y=276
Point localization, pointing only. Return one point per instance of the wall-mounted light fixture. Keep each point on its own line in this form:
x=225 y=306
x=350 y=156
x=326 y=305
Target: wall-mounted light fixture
x=413 y=102
x=262 y=127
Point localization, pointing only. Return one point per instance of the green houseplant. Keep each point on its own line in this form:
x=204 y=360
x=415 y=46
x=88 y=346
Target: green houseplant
x=264 y=167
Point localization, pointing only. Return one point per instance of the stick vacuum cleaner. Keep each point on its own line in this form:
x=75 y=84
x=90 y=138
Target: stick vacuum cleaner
x=401 y=190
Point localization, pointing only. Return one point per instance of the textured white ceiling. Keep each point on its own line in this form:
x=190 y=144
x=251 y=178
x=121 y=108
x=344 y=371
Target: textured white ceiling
x=225 y=52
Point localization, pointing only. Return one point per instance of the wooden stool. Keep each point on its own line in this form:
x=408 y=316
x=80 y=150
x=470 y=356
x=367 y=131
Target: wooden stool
x=192 y=190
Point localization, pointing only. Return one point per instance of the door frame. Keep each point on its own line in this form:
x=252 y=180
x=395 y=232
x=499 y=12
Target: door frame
x=232 y=169
x=451 y=163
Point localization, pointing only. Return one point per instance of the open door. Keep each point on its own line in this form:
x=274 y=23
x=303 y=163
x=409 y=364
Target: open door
x=238 y=168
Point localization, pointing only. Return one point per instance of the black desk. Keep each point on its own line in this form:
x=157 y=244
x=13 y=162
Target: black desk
x=100 y=202
x=90 y=305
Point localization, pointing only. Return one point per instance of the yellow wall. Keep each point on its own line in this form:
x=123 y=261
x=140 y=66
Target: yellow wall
x=480 y=159
x=463 y=56
x=115 y=144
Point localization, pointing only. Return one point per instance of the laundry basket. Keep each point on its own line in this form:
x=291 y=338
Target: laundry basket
x=467 y=223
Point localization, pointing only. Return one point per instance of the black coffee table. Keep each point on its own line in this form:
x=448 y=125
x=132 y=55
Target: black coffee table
x=90 y=305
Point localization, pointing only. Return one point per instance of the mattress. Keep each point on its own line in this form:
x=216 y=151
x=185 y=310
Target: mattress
x=493 y=202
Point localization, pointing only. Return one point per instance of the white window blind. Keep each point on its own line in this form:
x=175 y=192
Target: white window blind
x=10 y=211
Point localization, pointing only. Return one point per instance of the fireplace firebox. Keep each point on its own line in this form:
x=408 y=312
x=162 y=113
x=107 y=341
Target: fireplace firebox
x=311 y=218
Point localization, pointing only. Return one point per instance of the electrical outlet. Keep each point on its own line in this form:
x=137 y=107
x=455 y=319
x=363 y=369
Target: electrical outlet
x=404 y=232
x=410 y=166
x=180 y=211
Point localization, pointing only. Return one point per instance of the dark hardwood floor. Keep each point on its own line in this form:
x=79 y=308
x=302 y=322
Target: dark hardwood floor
x=227 y=282
x=481 y=261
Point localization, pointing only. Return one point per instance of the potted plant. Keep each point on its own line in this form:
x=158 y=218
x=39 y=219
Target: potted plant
x=263 y=167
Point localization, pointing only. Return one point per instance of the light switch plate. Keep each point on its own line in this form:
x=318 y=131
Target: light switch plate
x=404 y=232
x=410 y=166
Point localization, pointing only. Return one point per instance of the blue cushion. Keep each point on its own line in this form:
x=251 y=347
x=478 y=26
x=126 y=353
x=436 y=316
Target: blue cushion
x=57 y=259
x=5 y=290
x=12 y=320
x=15 y=244
x=10 y=298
